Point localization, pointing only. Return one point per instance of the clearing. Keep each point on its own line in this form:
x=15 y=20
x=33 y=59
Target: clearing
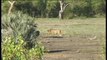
x=83 y=39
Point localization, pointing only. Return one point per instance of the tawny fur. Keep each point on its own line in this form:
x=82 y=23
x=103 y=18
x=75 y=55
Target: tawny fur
x=55 y=32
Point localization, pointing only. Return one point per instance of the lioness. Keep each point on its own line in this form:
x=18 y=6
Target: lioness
x=55 y=32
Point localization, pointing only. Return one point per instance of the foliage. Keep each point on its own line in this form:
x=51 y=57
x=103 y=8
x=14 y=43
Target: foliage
x=99 y=6
x=26 y=7
x=19 y=23
x=41 y=5
x=19 y=36
x=12 y=51
x=47 y=8
x=5 y=7
x=54 y=10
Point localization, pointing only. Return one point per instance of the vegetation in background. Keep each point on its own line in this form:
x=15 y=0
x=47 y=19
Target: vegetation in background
x=47 y=8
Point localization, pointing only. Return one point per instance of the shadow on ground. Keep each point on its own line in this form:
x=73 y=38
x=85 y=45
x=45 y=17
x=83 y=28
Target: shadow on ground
x=53 y=37
x=55 y=51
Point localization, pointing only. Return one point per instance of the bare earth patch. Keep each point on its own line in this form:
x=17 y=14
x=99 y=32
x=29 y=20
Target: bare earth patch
x=72 y=48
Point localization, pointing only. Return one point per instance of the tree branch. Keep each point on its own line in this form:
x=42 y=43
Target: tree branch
x=11 y=2
x=11 y=6
x=65 y=6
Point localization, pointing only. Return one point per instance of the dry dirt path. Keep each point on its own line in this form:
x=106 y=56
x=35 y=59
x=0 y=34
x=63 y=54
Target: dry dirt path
x=72 y=48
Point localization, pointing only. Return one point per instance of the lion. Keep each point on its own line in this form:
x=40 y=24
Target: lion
x=55 y=32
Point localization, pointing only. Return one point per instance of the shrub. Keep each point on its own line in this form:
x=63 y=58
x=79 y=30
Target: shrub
x=19 y=27
x=11 y=51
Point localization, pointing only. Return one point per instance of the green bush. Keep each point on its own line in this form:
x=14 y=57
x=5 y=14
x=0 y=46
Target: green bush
x=99 y=6
x=19 y=37
x=11 y=51
x=5 y=7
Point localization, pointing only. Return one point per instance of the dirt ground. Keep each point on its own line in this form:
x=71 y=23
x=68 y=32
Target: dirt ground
x=72 y=48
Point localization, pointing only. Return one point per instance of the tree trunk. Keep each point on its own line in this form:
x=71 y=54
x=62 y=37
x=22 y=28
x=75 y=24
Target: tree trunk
x=11 y=6
x=60 y=14
x=62 y=8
